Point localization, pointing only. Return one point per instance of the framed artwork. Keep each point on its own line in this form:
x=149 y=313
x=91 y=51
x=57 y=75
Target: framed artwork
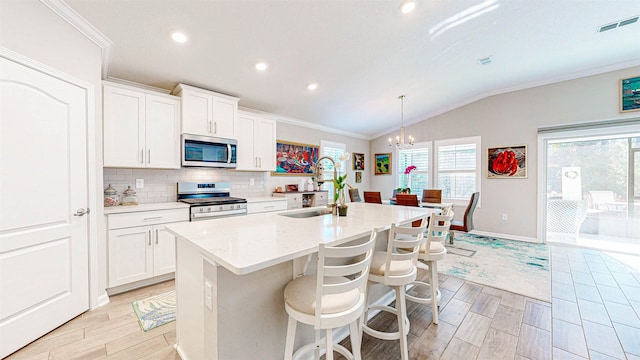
x=295 y=158
x=382 y=164
x=630 y=94
x=358 y=161
x=358 y=176
x=508 y=162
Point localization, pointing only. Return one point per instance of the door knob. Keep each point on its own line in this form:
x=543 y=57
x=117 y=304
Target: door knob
x=81 y=212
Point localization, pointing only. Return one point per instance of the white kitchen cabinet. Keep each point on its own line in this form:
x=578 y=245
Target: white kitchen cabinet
x=207 y=113
x=298 y=200
x=255 y=207
x=256 y=142
x=139 y=246
x=141 y=128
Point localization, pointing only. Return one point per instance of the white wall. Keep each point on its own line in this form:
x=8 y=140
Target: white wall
x=513 y=119
x=294 y=133
x=31 y=29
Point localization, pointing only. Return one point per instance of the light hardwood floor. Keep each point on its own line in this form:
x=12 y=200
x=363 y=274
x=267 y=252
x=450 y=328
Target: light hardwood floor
x=594 y=314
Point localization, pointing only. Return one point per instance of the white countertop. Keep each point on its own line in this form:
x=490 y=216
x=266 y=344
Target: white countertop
x=144 y=207
x=246 y=244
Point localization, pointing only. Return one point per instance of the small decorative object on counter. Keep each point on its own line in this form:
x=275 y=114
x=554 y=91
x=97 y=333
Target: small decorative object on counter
x=302 y=185
x=111 y=197
x=310 y=185
x=129 y=197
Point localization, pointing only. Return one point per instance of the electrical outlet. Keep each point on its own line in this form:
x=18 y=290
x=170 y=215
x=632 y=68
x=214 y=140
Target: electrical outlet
x=252 y=181
x=505 y=217
x=139 y=183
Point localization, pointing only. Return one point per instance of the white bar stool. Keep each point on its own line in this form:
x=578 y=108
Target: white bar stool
x=396 y=268
x=333 y=297
x=430 y=252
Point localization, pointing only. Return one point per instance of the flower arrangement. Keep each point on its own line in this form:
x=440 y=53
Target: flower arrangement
x=409 y=169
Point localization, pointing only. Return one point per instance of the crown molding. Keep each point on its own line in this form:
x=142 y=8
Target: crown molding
x=134 y=84
x=547 y=81
x=85 y=28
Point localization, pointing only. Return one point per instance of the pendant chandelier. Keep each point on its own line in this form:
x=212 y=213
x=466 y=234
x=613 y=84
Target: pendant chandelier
x=400 y=140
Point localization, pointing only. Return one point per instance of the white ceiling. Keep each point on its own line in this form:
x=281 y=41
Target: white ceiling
x=364 y=53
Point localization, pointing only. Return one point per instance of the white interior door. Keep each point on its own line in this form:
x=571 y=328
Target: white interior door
x=43 y=184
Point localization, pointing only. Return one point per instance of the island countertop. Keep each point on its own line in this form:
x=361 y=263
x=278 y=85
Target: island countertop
x=244 y=244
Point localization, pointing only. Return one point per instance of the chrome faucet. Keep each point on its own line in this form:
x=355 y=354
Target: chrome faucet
x=320 y=177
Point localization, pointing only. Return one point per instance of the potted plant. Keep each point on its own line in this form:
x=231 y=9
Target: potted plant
x=338 y=198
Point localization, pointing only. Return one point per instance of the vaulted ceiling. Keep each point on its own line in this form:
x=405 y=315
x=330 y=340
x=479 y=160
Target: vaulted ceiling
x=363 y=54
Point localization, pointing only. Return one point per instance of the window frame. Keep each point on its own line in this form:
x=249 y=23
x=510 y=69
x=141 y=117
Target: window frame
x=477 y=140
x=329 y=172
x=421 y=145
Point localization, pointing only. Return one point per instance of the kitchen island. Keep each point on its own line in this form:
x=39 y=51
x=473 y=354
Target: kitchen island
x=231 y=274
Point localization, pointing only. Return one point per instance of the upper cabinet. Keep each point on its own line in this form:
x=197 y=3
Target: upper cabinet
x=256 y=142
x=207 y=113
x=141 y=128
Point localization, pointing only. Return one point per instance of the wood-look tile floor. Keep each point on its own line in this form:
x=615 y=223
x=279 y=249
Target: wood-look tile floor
x=594 y=314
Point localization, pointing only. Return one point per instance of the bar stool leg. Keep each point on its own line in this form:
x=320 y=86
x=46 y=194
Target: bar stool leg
x=291 y=337
x=433 y=269
x=329 y=339
x=401 y=306
x=354 y=332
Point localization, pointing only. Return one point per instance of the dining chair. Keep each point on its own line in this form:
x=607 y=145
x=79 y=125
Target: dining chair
x=407 y=200
x=431 y=252
x=466 y=224
x=332 y=298
x=373 y=197
x=432 y=196
x=354 y=195
x=395 y=268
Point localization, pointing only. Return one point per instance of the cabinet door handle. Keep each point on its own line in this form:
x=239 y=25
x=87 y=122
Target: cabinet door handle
x=149 y=237
x=215 y=127
x=142 y=156
x=153 y=218
x=149 y=156
x=269 y=206
x=156 y=236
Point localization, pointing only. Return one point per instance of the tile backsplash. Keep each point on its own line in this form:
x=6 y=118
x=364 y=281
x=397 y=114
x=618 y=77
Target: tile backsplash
x=160 y=185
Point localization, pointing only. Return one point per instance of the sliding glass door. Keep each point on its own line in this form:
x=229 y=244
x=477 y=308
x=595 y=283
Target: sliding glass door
x=592 y=189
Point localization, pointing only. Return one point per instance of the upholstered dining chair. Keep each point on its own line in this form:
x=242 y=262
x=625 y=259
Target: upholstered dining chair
x=407 y=200
x=332 y=298
x=354 y=195
x=373 y=197
x=432 y=196
x=466 y=224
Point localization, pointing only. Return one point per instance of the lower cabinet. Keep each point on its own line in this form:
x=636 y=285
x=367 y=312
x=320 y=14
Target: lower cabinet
x=266 y=206
x=299 y=200
x=141 y=252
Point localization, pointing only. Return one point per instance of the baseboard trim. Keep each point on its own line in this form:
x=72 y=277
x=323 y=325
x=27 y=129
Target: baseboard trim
x=507 y=236
x=141 y=283
x=102 y=300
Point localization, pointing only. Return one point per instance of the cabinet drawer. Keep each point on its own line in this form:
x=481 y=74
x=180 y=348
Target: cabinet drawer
x=119 y=221
x=253 y=208
x=322 y=196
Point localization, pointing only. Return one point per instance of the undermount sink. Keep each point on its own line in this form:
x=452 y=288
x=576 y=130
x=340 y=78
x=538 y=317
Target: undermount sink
x=308 y=213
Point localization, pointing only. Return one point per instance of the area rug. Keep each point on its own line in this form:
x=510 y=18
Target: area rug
x=156 y=310
x=516 y=266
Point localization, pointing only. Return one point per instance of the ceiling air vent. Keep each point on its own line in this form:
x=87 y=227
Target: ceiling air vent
x=618 y=24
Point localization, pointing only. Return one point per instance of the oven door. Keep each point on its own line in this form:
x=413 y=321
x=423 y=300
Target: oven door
x=196 y=215
x=204 y=151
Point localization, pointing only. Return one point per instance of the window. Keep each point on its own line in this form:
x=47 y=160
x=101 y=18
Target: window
x=420 y=157
x=333 y=150
x=457 y=167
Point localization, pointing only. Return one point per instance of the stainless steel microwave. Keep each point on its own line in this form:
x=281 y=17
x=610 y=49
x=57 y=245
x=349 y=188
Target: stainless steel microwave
x=206 y=151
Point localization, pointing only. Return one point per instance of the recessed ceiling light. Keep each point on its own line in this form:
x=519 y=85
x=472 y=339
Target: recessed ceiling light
x=261 y=66
x=407 y=6
x=179 y=37
x=312 y=86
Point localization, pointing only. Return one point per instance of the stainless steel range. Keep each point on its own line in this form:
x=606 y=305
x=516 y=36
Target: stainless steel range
x=210 y=200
